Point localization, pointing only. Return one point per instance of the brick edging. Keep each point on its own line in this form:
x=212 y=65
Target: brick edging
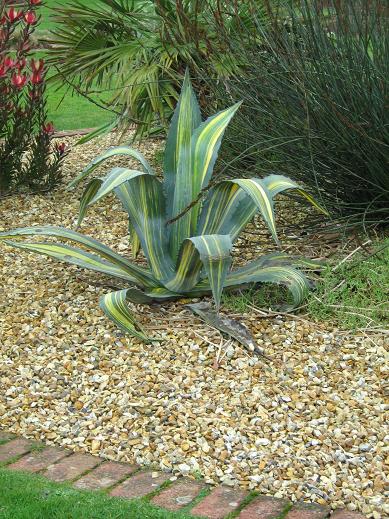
x=162 y=489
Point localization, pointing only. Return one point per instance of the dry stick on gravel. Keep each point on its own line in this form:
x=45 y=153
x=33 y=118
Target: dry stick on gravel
x=218 y=359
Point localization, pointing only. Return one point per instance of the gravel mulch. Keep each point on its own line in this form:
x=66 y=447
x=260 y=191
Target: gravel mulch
x=310 y=424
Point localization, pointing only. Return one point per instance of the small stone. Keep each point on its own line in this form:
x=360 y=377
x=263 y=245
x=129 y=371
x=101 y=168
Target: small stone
x=262 y=441
x=95 y=445
x=184 y=469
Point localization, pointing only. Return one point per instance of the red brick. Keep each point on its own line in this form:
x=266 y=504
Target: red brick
x=220 y=502
x=71 y=467
x=346 y=514
x=14 y=448
x=263 y=507
x=105 y=476
x=178 y=495
x=139 y=485
x=307 y=511
x=39 y=460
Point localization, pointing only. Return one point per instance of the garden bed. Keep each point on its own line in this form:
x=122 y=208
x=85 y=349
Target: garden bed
x=308 y=424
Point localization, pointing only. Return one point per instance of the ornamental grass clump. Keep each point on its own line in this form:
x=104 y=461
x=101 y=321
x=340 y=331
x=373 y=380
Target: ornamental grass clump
x=26 y=154
x=187 y=239
x=315 y=97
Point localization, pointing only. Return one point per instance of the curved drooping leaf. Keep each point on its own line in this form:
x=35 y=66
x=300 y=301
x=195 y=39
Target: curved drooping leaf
x=278 y=183
x=143 y=199
x=270 y=268
x=116 y=308
x=296 y=282
x=177 y=170
x=213 y=252
x=143 y=276
x=89 y=192
x=231 y=204
x=114 y=179
x=74 y=256
x=112 y=152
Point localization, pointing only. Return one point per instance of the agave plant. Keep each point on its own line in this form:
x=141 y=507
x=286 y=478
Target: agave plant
x=187 y=245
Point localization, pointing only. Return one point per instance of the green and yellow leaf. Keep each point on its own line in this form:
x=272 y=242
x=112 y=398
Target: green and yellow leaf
x=89 y=192
x=112 y=152
x=144 y=201
x=116 y=308
x=278 y=183
x=74 y=256
x=177 y=171
x=213 y=253
x=142 y=275
x=296 y=282
x=114 y=179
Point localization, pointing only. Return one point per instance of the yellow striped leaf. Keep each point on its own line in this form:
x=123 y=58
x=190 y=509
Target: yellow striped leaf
x=205 y=145
x=278 y=183
x=213 y=253
x=143 y=276
x=114 y=179
x=206 y=141
x=296 y=282
x=112 y=152
x=74 y=256
x=89 y=192
x=144 y=202
x=116 y=308
x=177 y=172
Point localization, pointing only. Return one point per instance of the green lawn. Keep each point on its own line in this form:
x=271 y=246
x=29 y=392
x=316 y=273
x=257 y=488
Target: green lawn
x=46 y=11
x=69 y=111
x=25 y=496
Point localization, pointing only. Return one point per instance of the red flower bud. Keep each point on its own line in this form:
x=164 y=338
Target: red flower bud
x=30 y=18
x=3 y=70
x=37 y=65
x=14 y=15
x=9 y=62
x=19 y=80
x=36 y=78
x=48 y=128
x=35 y=2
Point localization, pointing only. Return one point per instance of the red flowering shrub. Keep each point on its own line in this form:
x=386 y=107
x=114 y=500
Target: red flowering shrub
x=27 y=156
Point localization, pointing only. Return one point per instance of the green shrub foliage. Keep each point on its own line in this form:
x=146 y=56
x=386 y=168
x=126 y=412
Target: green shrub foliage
x=26 y=154
x=138 y=51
